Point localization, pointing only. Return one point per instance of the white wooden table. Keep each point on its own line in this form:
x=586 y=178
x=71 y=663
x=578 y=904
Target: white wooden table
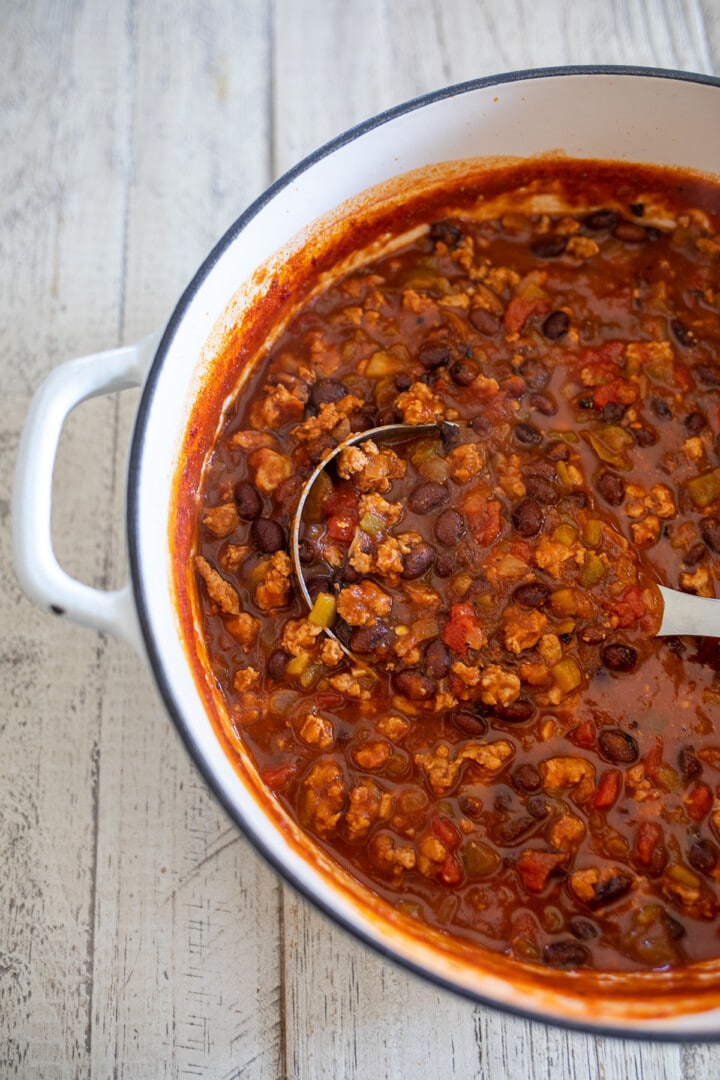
x=140 y=934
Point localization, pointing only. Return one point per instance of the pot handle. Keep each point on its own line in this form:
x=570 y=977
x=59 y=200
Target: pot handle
x=37 y=569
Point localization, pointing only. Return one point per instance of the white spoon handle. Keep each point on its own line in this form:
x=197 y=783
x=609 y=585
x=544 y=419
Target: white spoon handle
x=688 y=614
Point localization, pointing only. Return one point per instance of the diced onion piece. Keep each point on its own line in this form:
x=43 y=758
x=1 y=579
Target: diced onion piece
x=323 y=610
x=567 y=674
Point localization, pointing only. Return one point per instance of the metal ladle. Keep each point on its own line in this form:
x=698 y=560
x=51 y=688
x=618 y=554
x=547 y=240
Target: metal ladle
x=683 y=613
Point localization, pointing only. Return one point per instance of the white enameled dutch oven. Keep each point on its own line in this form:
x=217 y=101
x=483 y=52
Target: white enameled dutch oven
x=661 y=117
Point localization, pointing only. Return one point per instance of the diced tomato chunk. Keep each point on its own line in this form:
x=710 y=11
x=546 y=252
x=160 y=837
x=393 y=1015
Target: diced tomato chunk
x=605 y=356
x=342 y=501
x=608 y=789
x=342 y=527
x=647 y=838
x=450 y=872
x=463 y=630
x=535 y=867
x=584 y=734
x=519 y=311
x=630 y=608
x=617 y=391
x=446 y=832
x=698 y=802
x=278 y=775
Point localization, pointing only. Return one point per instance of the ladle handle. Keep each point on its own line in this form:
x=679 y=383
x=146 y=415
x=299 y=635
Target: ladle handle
x=684 y=613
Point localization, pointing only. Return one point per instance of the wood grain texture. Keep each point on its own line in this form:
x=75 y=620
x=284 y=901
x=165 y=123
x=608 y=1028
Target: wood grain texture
x=140 y=935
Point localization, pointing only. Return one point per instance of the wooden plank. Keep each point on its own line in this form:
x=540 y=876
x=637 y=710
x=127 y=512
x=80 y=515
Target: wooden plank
x=187 y=958
x=60 y=240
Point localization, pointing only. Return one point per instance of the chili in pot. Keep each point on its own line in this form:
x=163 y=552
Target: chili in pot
x=509 y=756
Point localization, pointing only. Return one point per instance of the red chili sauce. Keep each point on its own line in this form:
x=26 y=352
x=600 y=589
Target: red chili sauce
x=512 y=758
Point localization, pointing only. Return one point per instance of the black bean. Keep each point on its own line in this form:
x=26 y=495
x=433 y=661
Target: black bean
x=682 y=334
x=526 y=778
x=575 y=498
x=366 y=419
x=385 y=416
x=418 y=560
x=449 y=435
x=556 y=325
x=543 y=469
x=566 y=954
x=445 y=565
x=366 y=639
x=527 y=518
x=541 y=490
x=612 y=412
x=619 y=657
x=427 y=496
x=645 y=436
x=582 y=929
x=481 y=425
x=434 y=354
x=286 y=494
x=695 y=422
x=471 y=806
x=508 y=832
x=544 y=404
x=710 y=532
x=612 y=889
x=535 y=373
x=601 y=219
x=463 y=373
x=318 y=448
x=611 y=488
x=539 y=806
x=402 y=381
x=702 y=856
x=533 y=594
x=630 y=233
x=617 y=746
x=548 y=247
x=695 y=554
x=349 y=573
x=517 y=712
x=268 y=535
x=449 y=527
x=557 y=451
x=437 y=659
x=661 y=408
x=468 y=722
x=277 y=662
x=414 y=685
x=445 y=232
x=708 y=375
x=688 y=763
x=487 y=322
x=325 y=391
x=319 y=583
x=306 y=552
x=248 y=501
x=527 y=434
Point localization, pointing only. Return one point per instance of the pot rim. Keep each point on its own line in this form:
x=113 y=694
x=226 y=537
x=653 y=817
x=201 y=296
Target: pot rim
x=655 y=1030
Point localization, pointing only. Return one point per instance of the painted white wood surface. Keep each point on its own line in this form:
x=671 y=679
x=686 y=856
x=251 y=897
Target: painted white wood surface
x=140 y=935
